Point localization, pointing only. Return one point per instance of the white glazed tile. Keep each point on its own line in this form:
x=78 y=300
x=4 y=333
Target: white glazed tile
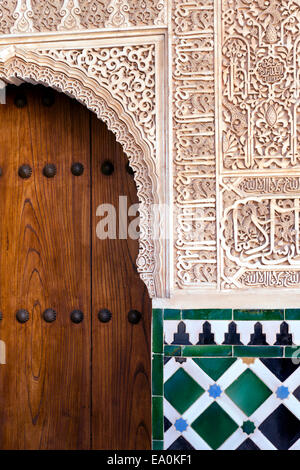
x=294 y=328
x=293 y=405
x=244 y=328
x=170 y=327
x=261 y=441
x=264 y=410
x=197 y=408
x=170 y=412
x=271 y=329
x=194 y=328
x=264 y=374
x=293 y=381
x=219 y=328
x=197 y=374
x=234 y=441
x=170 y=368
x=231 y=374
x=195 y=440
x=296 y=446
x=232 y=409
x=170 y=436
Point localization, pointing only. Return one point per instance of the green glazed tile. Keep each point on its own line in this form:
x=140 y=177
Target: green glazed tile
x=292 y=314
x=258 y=315
x=215 y=426
x=206 y=351
x=157 y=418
x=171 y=350
x=157 y=374
x=207 y=314
x=157 y=331
x=182 y=391
x=257 y=351
x=215 y=368
x=171 y=314
x=248 y=392
x=157 y=445
x=293 y=351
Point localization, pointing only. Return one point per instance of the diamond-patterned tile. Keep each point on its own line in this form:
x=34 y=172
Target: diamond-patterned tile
x=182 y=391
x=282 y=428
x=297 y=393
x=214 y=367
x=214 y=426
x=181 y=444
x=248 y=392
x=248 y=445
x=213 y=419
x=245 y=397
x=281 y=368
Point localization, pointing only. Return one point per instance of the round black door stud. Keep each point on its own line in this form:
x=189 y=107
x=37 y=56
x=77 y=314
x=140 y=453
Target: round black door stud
x=49 y=315
x=1 y=316
x=25 y=171
x=1 y=171
x=48 y=99
x=20 y=101
x=49 y=170
x=107 y=168
x=77 y=169
x=129 y=169
x=134 y=316
x=104 y=315
x=22 y=316
x=76 y=316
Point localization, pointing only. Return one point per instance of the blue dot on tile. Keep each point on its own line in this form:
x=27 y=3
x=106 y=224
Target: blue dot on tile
x=180 y=425
x=282 y=392
x=214 y=391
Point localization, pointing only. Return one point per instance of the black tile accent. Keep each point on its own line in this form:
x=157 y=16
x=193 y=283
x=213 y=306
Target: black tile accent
x=207 y=337
x=248 y=445
x=181 y=337
x=181 y=360
x=282 y=428
x=232 y=337
x=181 y=444
x=167 y=359
x=258 y=338
x=297 y=393
x=282 y=368
x=284 y=338
x=167 y=424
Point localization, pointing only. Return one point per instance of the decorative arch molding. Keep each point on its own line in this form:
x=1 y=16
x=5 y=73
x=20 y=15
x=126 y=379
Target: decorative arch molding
x=108 y=81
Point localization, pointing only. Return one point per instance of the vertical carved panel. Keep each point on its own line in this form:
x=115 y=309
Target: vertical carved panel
x=259 y=78
x=194 y=143
x=259 y=128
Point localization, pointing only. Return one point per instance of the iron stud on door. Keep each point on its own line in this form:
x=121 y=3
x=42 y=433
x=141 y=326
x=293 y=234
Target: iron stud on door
x=22 y=316
x=49 y=315
x=25 y=171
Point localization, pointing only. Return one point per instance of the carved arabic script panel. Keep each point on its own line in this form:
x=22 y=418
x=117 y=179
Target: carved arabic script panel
x=260 y=133
x=261 y=84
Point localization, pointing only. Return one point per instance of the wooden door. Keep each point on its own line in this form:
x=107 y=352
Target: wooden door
x=67 y=385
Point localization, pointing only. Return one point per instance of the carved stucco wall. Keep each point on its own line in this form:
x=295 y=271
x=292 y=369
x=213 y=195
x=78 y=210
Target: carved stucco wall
x=29 y=16
x=236 y=144
x=233 y=109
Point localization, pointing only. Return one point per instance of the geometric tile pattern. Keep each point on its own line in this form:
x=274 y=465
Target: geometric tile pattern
x=226 y=379
x=238 y=332
x=246 y=413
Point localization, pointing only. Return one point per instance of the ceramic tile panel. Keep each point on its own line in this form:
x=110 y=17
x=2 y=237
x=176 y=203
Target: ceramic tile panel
x=231 y=404
x=226 y=379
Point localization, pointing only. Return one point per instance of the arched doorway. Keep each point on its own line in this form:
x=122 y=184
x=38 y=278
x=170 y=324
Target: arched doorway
x=70 y=381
